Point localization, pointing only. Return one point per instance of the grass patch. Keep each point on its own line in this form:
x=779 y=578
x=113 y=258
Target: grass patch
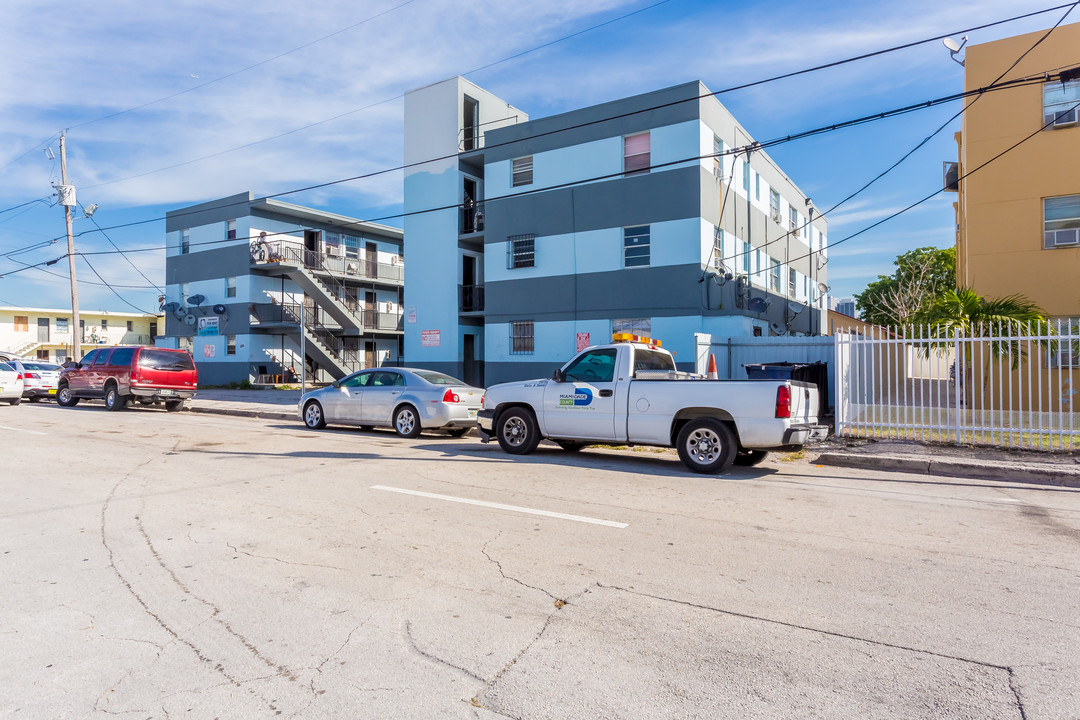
x=793 y=456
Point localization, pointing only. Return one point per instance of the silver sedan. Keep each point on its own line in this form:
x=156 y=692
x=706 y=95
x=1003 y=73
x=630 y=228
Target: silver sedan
x=407 y=399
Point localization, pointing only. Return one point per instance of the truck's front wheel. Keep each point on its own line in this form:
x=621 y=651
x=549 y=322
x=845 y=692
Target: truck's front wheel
x=517 y=431
x=706 y=446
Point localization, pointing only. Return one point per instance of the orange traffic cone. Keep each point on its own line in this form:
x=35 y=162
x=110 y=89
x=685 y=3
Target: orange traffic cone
x=711 y=374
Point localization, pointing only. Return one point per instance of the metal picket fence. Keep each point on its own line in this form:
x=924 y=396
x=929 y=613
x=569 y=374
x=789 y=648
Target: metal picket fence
x=999 y=385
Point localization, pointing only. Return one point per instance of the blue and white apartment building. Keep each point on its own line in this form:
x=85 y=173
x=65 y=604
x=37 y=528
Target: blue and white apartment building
x=527 y=239
x=245 y=277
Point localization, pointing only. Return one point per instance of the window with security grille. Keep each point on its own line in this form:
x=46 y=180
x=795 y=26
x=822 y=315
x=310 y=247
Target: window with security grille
x=520 y=251
x=522 y=171
x=1065 y=352
x=521 y=338
x=185 y=242
x=774 y=275
x=636 y=155
x=636 y=246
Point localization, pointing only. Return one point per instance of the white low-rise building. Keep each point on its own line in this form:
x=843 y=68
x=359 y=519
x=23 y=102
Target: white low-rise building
x=46 y=333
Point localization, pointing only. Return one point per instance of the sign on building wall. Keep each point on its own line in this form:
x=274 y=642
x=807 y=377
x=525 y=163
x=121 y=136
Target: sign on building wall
x=430 y=338
x=410 y=315
x=208 y=325
x=209 y=350
x=582 y=341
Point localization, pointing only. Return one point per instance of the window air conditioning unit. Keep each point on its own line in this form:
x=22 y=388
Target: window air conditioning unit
x=1067 y=118
x=1063 y=238
x=775 y=216
x=352 y=268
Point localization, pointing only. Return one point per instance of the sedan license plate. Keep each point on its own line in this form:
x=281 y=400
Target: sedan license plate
x=472 y=413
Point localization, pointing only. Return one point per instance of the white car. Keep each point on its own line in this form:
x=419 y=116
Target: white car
x=11 y=384
x=39 y=378
x=407 y=399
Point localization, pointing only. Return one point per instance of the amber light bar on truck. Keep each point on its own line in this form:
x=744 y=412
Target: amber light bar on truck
x=628 y=337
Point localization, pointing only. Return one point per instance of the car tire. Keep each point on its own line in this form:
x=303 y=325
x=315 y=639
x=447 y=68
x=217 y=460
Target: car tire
x=569 y=445
x=517 y=431
x=34 y=398
x=749 y=458
x=65 y=398
x=15 y=401
x=113 y=399
x=706 y=446
x=314 y=418
x=457 y=432
x=407 y=422
x=366 y=428
x=174 y=405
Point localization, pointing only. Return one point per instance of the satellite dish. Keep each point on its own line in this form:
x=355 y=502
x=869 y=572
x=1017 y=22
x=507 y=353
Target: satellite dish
x=171 y=307
x=757 y=305
x=190 y=320
x=794 y=308
x=777 y=328
x=822 y=288
x=180 y=312
x=219 y=309
x=196 y=300
x=951 y=44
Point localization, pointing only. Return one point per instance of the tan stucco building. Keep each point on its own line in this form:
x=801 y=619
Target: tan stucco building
x=1018 y=218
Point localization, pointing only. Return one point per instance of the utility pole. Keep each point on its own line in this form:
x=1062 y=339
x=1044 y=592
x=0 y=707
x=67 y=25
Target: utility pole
x=67 y=199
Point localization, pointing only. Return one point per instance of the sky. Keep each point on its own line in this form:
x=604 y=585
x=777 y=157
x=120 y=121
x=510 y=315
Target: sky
x=169 y=104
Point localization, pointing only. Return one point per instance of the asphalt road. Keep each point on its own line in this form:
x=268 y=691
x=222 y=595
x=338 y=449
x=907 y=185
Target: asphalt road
x=162 y=565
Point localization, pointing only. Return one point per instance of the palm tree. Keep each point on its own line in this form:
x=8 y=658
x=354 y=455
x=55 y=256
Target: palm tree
x=964 y=313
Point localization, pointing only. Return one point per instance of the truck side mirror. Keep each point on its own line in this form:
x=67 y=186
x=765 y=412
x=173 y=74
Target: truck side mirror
x=558 y=376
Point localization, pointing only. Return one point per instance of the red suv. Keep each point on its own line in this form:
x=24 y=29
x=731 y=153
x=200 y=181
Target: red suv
x=119 y=374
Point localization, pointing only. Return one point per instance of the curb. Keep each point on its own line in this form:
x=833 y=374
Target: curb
x=261 y=414
x=1065 y=476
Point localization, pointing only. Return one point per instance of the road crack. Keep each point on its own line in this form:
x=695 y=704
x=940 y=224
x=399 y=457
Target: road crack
x=284 y=562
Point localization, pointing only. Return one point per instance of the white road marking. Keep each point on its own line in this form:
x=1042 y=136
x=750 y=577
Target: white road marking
x=500 y=506
x=32 y=432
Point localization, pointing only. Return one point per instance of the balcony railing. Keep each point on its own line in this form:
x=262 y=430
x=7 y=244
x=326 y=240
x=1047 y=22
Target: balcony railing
x=289 y=314
x=343 y=265
x=471 y=298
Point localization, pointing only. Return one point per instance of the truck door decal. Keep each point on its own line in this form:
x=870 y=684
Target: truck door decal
x=579 y=398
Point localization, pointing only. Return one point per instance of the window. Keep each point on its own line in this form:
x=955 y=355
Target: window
x=130 y=325
x=593 y=366
x=521 y=171
x=61 y=325
x=793 y=218
x=774 y=205
x=746 y=177
x=1059 y=102
x=791 y=283
x=104 y=323
x=230 y=230
x=636 y=246
x=718 y=151
x=43 y=355
x=185 y=242
x=22 y=323
x=774 y=275
x=634 y=326
x=636 y=156
x=746 y=252
x=521 y=338
x=121 y=356
x=230 y=287
x=520 y=251
x=718 y=248
x=358 y=380
x=1065 y=354
x=760 y=263
x=230 y=344
x=1061 y=222
x=757 y=187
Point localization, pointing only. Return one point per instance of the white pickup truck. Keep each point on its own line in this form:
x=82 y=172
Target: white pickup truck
x=630 y=392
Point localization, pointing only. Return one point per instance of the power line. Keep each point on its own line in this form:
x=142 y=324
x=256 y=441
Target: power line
x=28 y=202
x=733 y=88
x=114 y=292
x=770 y=143
x=122 y=253
x=1019 y=82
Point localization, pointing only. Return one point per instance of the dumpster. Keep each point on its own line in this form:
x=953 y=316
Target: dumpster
x=815 y=372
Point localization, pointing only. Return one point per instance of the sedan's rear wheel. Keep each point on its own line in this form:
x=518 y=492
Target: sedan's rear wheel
x=65 y=398
x=313 y=416
x=407 y=422
x=517 y=431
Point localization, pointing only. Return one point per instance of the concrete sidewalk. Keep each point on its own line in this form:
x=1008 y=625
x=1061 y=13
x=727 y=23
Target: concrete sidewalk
x=267 y=404
x=1027 y=466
